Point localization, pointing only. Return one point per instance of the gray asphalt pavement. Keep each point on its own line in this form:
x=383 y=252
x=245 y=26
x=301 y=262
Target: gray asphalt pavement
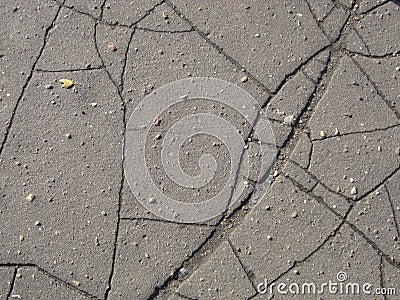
x=81 y=218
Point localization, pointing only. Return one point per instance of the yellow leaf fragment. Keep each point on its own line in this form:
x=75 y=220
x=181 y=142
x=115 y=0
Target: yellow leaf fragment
x=66 y=83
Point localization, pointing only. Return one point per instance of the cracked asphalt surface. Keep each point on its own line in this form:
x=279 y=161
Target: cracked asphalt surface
x=326 y=74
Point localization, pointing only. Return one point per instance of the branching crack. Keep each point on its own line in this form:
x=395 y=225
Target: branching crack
x=46 y=35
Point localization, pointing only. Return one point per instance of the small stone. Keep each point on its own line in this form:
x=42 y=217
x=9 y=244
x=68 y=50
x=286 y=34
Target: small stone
x=398 y=69
x=244 y=79
x=294 y=214
x=257 y=35
x=289 y=120
x=21 y=238
x=269 y=237
x=76 y=282
x=379 y=148
x=93 y=104
x=68 y=136
x=398 y=151
x=104 y=213
x=184 y=272
x=30 y=197
x=157 y=121
x=37 y=223
x=322 y=134
x=297 y=272
x=112 y=47
x=48 y=86
x=158 y=136
x=151 y=200
x=17 y=163
x=164 y=15
x=160 y=52
x=336 y=131
x=354 y=191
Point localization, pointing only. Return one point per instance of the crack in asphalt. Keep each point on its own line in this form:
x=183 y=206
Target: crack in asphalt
x=219 y=228
x=242 y=265
x=298 y=263
x=119 y=90
x=313 y=176
x=317 y=20
x=166 y=221
x=45 y=273
x=376 y=6
x=175 y=274
x=68 y=70
x=311 y=151
x=380 y=93
x=310 y=193
x=101 y=20
x=396 y=222
x=219 y=49
x=355 y=132
x=312 y=96
x=165 y=31
x=391 y=260
x=125 y=61
x=298 y=69
x=383 y=56
x=12 y=283
x=45 y=39
x=352 y=226
x=323 y=74
x=382 y=254
x=362 y=40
